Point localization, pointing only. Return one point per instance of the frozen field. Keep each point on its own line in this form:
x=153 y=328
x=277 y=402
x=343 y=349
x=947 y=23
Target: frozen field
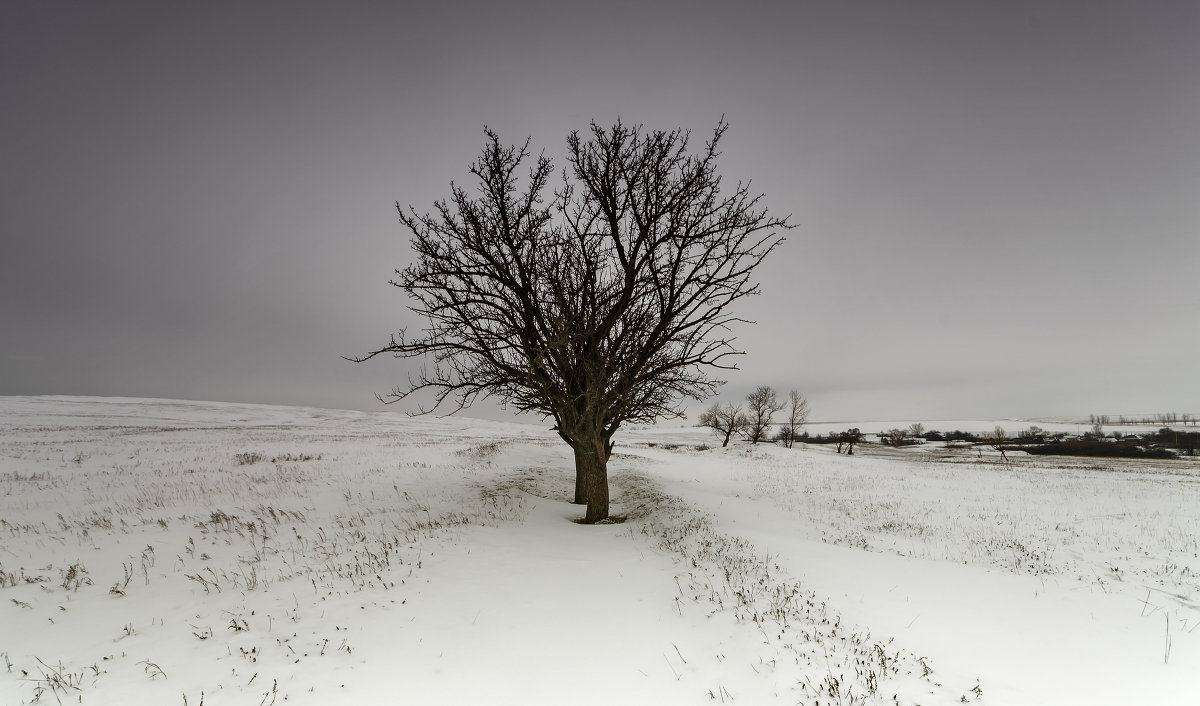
x=157 y=552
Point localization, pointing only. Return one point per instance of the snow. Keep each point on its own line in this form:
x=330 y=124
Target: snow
x=250 y=554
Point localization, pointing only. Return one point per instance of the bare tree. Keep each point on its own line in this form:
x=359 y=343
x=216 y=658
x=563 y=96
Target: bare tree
x=797 y=416
x=896 y=437
x=998 y=440
x=602 y=302
x=761 y=406
x=726 y=420
x=850 y=437
x=1033 y=434
x=916 y=430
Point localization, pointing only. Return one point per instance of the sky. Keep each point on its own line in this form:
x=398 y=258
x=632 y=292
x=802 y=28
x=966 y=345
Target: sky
x=996 y=203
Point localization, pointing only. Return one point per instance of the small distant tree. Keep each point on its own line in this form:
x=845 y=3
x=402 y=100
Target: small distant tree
x=895 y=437
x=850 y=437
x=797 y=416
x=1098 y=421
x=997 y=439
x=916 y=430
x=1032 y=434
x=761 y=406
x=853 y=437
x=725 y=420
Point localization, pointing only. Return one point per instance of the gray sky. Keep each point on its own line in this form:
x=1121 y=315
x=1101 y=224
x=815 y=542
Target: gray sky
x=997 y=202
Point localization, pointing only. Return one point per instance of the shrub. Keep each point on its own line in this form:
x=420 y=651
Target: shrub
x=1096 y=448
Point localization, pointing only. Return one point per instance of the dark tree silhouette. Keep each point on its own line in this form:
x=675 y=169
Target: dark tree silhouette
x=603 y=302
x=850 y=437
x=761 y=406
x=797 y=416
x=998 y=440
x=725 y=420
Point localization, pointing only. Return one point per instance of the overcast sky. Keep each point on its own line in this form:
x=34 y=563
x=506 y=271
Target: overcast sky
x=998 y=203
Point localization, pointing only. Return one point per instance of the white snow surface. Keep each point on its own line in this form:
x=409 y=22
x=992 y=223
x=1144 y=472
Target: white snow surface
x=169 y=552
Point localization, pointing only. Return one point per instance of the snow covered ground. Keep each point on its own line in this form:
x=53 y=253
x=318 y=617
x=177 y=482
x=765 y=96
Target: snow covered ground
x=159 y=552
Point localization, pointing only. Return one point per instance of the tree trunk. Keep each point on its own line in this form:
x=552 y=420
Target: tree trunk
x=592 y=468
x=580 y=478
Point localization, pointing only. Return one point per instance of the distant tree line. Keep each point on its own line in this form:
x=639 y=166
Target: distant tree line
x=841 y=439
x=911 y=436
x=1165 y=443
x=753 y=421
x=1164 y=419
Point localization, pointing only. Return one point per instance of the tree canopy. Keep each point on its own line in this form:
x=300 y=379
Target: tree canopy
x=603 y=300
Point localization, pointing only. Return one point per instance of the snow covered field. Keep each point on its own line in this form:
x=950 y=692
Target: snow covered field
x=157 y=552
